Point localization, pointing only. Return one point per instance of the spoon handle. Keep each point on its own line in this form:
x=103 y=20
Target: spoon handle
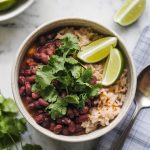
x=120 y=142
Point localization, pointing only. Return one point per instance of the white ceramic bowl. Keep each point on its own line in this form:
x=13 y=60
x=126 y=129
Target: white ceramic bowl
x=74 y=22
x=16 y=10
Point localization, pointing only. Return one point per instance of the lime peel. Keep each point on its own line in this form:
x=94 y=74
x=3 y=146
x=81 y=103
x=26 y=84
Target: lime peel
x=97 y=50
x=130 y=12
x=113 y=67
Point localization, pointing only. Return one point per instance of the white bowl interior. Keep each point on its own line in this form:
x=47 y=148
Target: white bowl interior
x=98 y=28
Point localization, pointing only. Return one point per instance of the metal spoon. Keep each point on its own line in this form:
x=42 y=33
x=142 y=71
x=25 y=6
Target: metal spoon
x=142 y=100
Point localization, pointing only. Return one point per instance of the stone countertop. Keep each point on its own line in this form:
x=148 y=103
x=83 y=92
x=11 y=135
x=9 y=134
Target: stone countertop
x=14 y=31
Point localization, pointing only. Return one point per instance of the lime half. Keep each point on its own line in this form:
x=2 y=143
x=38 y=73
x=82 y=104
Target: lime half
x=130 y=12
x=97 y=50
x=113 y=67
x=6 y=4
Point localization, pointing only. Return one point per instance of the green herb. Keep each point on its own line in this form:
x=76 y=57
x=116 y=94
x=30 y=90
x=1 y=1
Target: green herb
x=69 y=42
x=11 y=127
x=57 y=109
x=31 y=147
x=71 y=76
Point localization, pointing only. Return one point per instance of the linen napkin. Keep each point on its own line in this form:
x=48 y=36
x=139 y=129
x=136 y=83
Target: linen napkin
x=139 y=136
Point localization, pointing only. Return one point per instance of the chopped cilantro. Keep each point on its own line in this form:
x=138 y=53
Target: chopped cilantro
x=72 y=99
x=57 y=109
x=72 y=78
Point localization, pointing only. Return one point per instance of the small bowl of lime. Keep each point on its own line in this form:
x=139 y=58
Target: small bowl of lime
x=12 y=8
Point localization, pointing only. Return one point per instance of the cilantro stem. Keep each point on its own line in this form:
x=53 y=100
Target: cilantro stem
x=21 y=142
x=67 y=90
x=13 y=141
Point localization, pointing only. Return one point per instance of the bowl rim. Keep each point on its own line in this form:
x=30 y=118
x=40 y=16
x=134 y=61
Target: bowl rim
x=16 y=12
x=86 y=137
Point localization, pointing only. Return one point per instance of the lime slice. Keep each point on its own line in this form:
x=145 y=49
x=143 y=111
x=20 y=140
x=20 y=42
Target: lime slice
x=6 y=4
x=97 y=50
x=129 y=12
x=113 y=67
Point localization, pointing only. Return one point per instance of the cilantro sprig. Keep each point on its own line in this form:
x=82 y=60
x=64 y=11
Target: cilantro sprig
x=12 y=127
x=71 y=77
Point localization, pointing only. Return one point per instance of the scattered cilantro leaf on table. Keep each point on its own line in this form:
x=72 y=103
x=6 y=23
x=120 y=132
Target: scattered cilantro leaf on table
x=11 y=127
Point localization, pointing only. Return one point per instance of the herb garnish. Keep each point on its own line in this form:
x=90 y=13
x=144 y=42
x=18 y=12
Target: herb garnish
x=70 y=77
x=11 y=127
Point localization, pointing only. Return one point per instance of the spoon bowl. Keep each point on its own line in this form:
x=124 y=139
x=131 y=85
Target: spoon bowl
x=142 y=100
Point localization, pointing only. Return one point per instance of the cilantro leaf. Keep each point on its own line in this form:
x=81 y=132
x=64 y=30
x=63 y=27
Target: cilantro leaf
x=56 y=63
x=76 y=71
x=49 y=93
x=94 y=90
x=86 y=75
x=72 y=99
x=83 y=98
x=9 y=106
x=57 y=109
x=69 y=42
x=31 y=147
x=1 y=99
x=72 y=61
x=44 y=78
x=65 y=80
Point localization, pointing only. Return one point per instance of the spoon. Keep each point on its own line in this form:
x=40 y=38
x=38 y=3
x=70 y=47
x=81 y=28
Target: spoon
x=142 y=100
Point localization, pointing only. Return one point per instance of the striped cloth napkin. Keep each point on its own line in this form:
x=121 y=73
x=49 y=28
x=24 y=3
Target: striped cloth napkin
x=139 y=137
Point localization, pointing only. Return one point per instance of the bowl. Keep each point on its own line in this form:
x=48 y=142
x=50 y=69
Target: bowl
x=98 y=28
x=16 y=10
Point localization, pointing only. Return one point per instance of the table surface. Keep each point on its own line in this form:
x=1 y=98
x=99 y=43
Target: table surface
x=14 y=31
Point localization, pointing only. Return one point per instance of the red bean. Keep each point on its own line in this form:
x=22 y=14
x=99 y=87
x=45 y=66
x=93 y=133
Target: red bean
x=50 y=36
x=70 y=113
x=72 y=127
x=27 y=72
x=76 y=112
x=22 y=90
x=31 y=79
x=66 y=120
x=35 y=95
x=39 y=118
x=93 y=80
x=37 y=56
x=78 y=128
x=34 y=105
x=44 y=58
x=28 y=99
x=65 y=131
x=42 y=40
x=28 y=88
x=57 y=43
x=52 y=126
x=42 y=102
x=33 y=70
x=84 y=110
x=89 y=103
x=21 y=80
x=58 y=129
x=83 y=118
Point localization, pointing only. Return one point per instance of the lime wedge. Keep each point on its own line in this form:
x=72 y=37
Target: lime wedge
x=113 y=67
x=6 y=4
x=130 y=12
x=97 y=50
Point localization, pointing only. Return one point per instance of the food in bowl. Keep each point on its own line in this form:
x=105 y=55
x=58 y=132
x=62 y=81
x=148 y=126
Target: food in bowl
x=7 y=4
x=63 y=93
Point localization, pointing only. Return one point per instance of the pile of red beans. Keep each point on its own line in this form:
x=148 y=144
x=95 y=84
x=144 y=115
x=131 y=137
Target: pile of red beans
x=39 y=53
